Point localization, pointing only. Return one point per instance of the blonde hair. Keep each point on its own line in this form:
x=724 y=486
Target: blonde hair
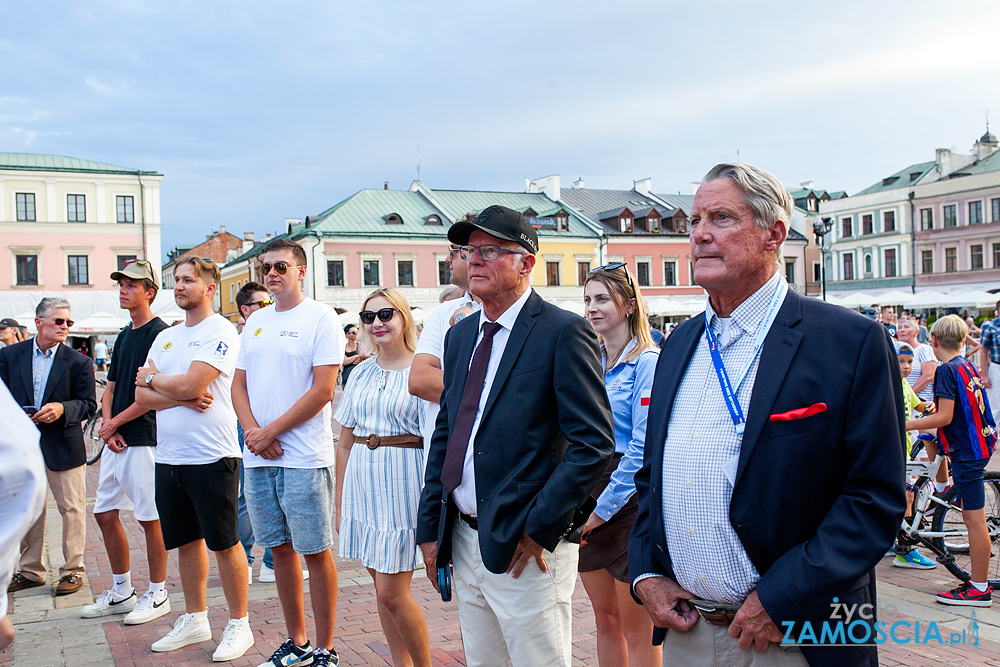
x=398 y=301
x=950 y=332
x=621 y=286
x=208 y=271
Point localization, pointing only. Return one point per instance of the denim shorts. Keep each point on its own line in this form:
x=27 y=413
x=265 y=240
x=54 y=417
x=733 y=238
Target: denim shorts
x=291 y=505
x=968 y=478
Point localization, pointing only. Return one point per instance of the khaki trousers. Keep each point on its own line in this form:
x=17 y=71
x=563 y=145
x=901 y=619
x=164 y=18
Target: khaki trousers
x=707 y=645
x=69 y=488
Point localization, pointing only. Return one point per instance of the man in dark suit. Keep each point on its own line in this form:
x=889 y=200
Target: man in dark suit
x=55 y=385
x=523 y=435
x=773 y=475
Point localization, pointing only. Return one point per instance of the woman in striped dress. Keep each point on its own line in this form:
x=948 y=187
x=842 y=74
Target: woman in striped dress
x=380 y=459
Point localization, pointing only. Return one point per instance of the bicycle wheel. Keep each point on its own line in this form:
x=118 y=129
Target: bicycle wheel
x=956 y=548
x=93 y=441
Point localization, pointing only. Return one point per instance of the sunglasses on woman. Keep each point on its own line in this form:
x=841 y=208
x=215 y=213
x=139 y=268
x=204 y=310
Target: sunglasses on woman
x=384 y=315
x=613 y=266
x=280 y=267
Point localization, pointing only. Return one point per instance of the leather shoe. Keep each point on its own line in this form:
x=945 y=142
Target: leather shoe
x=19 y=581
x=69 y=584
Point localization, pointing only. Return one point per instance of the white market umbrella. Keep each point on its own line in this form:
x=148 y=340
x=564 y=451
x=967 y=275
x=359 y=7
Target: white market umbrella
x=574 y=306
x=666 y=306
x=27 y=319
x=970 y=299
x=929 y=299
x=856 y=300
x=350 y=317
x=99 y=323
x=894 y=298
x=418 y=314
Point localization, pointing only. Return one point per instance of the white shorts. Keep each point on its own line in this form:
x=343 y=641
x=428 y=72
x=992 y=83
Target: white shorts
x=128 y=478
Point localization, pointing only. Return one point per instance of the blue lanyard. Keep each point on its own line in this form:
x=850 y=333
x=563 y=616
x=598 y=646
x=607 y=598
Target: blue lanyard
x=728 y=389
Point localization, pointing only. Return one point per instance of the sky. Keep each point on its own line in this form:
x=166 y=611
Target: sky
x=255 y=112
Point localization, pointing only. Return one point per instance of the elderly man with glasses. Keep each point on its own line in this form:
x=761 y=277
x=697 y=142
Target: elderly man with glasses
x=55 y=386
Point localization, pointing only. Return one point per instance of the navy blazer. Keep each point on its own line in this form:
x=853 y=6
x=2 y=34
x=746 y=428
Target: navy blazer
x=818 y=500
x=71 y=382
x=543 y=442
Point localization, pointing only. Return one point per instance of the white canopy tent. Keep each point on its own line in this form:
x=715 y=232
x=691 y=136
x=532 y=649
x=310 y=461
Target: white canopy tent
x=929 y=299
x=100 y=323
x=574 y=306
x=667 y=306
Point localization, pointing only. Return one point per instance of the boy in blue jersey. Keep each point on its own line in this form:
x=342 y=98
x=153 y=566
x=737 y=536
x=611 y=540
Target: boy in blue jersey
x=967 y=433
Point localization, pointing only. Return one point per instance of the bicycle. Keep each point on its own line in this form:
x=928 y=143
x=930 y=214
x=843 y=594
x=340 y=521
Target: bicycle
x=92 y=441
x=947 y=537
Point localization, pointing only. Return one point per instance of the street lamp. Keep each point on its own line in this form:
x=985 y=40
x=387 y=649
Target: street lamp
x=821 y=228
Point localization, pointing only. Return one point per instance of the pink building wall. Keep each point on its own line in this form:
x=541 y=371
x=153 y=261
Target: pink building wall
x=101 y=247
x=657 y=251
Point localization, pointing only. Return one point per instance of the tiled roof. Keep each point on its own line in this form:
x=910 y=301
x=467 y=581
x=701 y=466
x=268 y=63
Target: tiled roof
x=34 y=162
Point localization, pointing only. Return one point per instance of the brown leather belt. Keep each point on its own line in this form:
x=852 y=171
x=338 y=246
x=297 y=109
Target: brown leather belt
x=406 y=441
x=715 y=613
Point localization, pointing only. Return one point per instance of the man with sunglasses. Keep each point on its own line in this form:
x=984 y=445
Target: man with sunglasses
x=285 y=378
x=128 y=463
x=55 y=386
x=523 y=435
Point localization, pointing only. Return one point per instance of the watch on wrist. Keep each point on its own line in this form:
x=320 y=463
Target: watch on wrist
x=149 y=380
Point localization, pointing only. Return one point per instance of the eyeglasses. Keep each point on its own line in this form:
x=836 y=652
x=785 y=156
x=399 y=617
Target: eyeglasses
x=611 y=267
x=384 y=315
x=352 y=332
x=208 y=259
x=263 y=303
x=454 y=250
x=140 y=262
x=58 y=321
x=487 y=252
x=280 y=267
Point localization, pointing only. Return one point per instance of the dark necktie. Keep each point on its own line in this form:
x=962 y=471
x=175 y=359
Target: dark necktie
x=458 y=443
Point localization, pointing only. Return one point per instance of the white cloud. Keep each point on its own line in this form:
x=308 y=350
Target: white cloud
x=115 y=88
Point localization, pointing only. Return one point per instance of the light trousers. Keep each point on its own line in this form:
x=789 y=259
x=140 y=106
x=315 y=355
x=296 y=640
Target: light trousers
x=707 y=645
x=993 y=393
x=69 y=488
x=506 y=621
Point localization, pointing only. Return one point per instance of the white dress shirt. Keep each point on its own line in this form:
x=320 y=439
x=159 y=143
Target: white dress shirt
x=465 y=493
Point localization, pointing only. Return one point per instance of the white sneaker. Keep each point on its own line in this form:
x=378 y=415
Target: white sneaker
x=267 y=574
x=236 y=639
x=109 y=604
x=148 y=609
x=186 y=631
x=249 y=574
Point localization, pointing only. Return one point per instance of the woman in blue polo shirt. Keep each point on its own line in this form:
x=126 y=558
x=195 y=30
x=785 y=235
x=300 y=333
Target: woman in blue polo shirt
x=613 y=305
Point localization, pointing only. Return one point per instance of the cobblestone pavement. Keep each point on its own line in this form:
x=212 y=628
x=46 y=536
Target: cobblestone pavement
x=50 y=631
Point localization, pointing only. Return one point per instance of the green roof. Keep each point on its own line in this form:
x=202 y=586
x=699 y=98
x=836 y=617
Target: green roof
x=35 y=162
x=459 y=202
x=988 y=164
x=903 y=178
x=364 y=214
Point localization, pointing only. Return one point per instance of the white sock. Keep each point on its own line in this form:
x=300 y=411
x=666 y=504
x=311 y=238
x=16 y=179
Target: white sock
x=157 y=588
x=123 y=584
x=980 y=586
x=940 y=486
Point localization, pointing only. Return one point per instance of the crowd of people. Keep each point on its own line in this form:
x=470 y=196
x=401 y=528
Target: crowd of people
x=706 y=492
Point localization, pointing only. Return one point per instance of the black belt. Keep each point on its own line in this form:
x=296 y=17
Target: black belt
x=469 y=519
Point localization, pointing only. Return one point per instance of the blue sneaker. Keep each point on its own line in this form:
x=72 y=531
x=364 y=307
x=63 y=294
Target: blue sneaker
x=915 y=560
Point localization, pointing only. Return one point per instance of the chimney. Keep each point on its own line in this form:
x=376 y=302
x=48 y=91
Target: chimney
x=806 y=185
x=694 y=187
x=942 y=157
x=578 y=184
x=386 y=186
x=643 y=186
x=222 y=229
x=549 y=185
x=247 y=241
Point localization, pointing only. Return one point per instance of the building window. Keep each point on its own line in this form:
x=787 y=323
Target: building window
x=996 y=255
x=582 y=269
x=867 y=227
x=868 y=266
x=123 y=204
x=890 y=262
x=432 y=220
x=335 y=273
x=232 y=291
x=123 y=261
x=25 y=206
x=950 y=216
x=444 y=273
x=817 y=272
x=889 y=221
x=790 y=271
x=975 y=212
x=976 y=256
x=562 y=223
x=76 y=208
x=78 y=270
x=404 y=273
x=846 y=227
x=27 y=269
x=642 y=274
x=625 y=224
x=927 y=261
x=369 y=269
x=950 y=260
x=926 y=219
x=552 y=273
x=670 y=273
x=654 y=225
x=393 y=219
x=848 y=267
x=995 y=210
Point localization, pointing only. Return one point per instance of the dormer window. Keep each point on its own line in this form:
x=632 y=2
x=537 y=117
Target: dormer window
x=393 y=219
x=431 y=220
x=562 y=222
x=624 y=224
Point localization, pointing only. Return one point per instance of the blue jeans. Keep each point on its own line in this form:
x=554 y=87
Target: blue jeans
x=243 y=514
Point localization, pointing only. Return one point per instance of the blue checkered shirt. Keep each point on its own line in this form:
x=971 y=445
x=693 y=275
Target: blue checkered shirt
x=991 y=339
x=700 y=459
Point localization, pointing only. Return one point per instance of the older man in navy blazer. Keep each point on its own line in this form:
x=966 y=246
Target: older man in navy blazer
x=523 y=435
x=55 y=385
x=773 y=474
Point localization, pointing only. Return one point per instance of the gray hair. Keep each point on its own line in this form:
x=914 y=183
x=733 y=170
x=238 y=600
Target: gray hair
x=763 y=193
x=48 y=304
x=451 y=292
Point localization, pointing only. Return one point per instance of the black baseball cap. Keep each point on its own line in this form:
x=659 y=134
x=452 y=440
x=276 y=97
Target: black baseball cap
x=500 y=222
x=8 y=322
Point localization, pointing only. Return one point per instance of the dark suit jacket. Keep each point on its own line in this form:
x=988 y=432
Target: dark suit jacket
x=817 y=500
x=71 y=382
x=543 y=442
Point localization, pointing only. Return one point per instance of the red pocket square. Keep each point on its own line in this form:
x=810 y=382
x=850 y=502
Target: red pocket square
x=813 y=409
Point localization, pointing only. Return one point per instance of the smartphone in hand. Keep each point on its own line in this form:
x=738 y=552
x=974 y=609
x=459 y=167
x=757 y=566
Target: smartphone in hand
x=29 y=409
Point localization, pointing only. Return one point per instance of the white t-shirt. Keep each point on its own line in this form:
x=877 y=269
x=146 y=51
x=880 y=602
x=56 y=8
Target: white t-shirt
x=101 y=350
x=431 y=342
x=278 y=351
x=185 y=436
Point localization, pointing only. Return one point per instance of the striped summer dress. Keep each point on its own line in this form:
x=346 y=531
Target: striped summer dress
x=381 y=486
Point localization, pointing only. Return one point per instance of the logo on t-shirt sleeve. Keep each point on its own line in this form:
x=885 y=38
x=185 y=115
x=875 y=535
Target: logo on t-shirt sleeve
x=257 y=332
x=167 y=346
x=220 y=352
